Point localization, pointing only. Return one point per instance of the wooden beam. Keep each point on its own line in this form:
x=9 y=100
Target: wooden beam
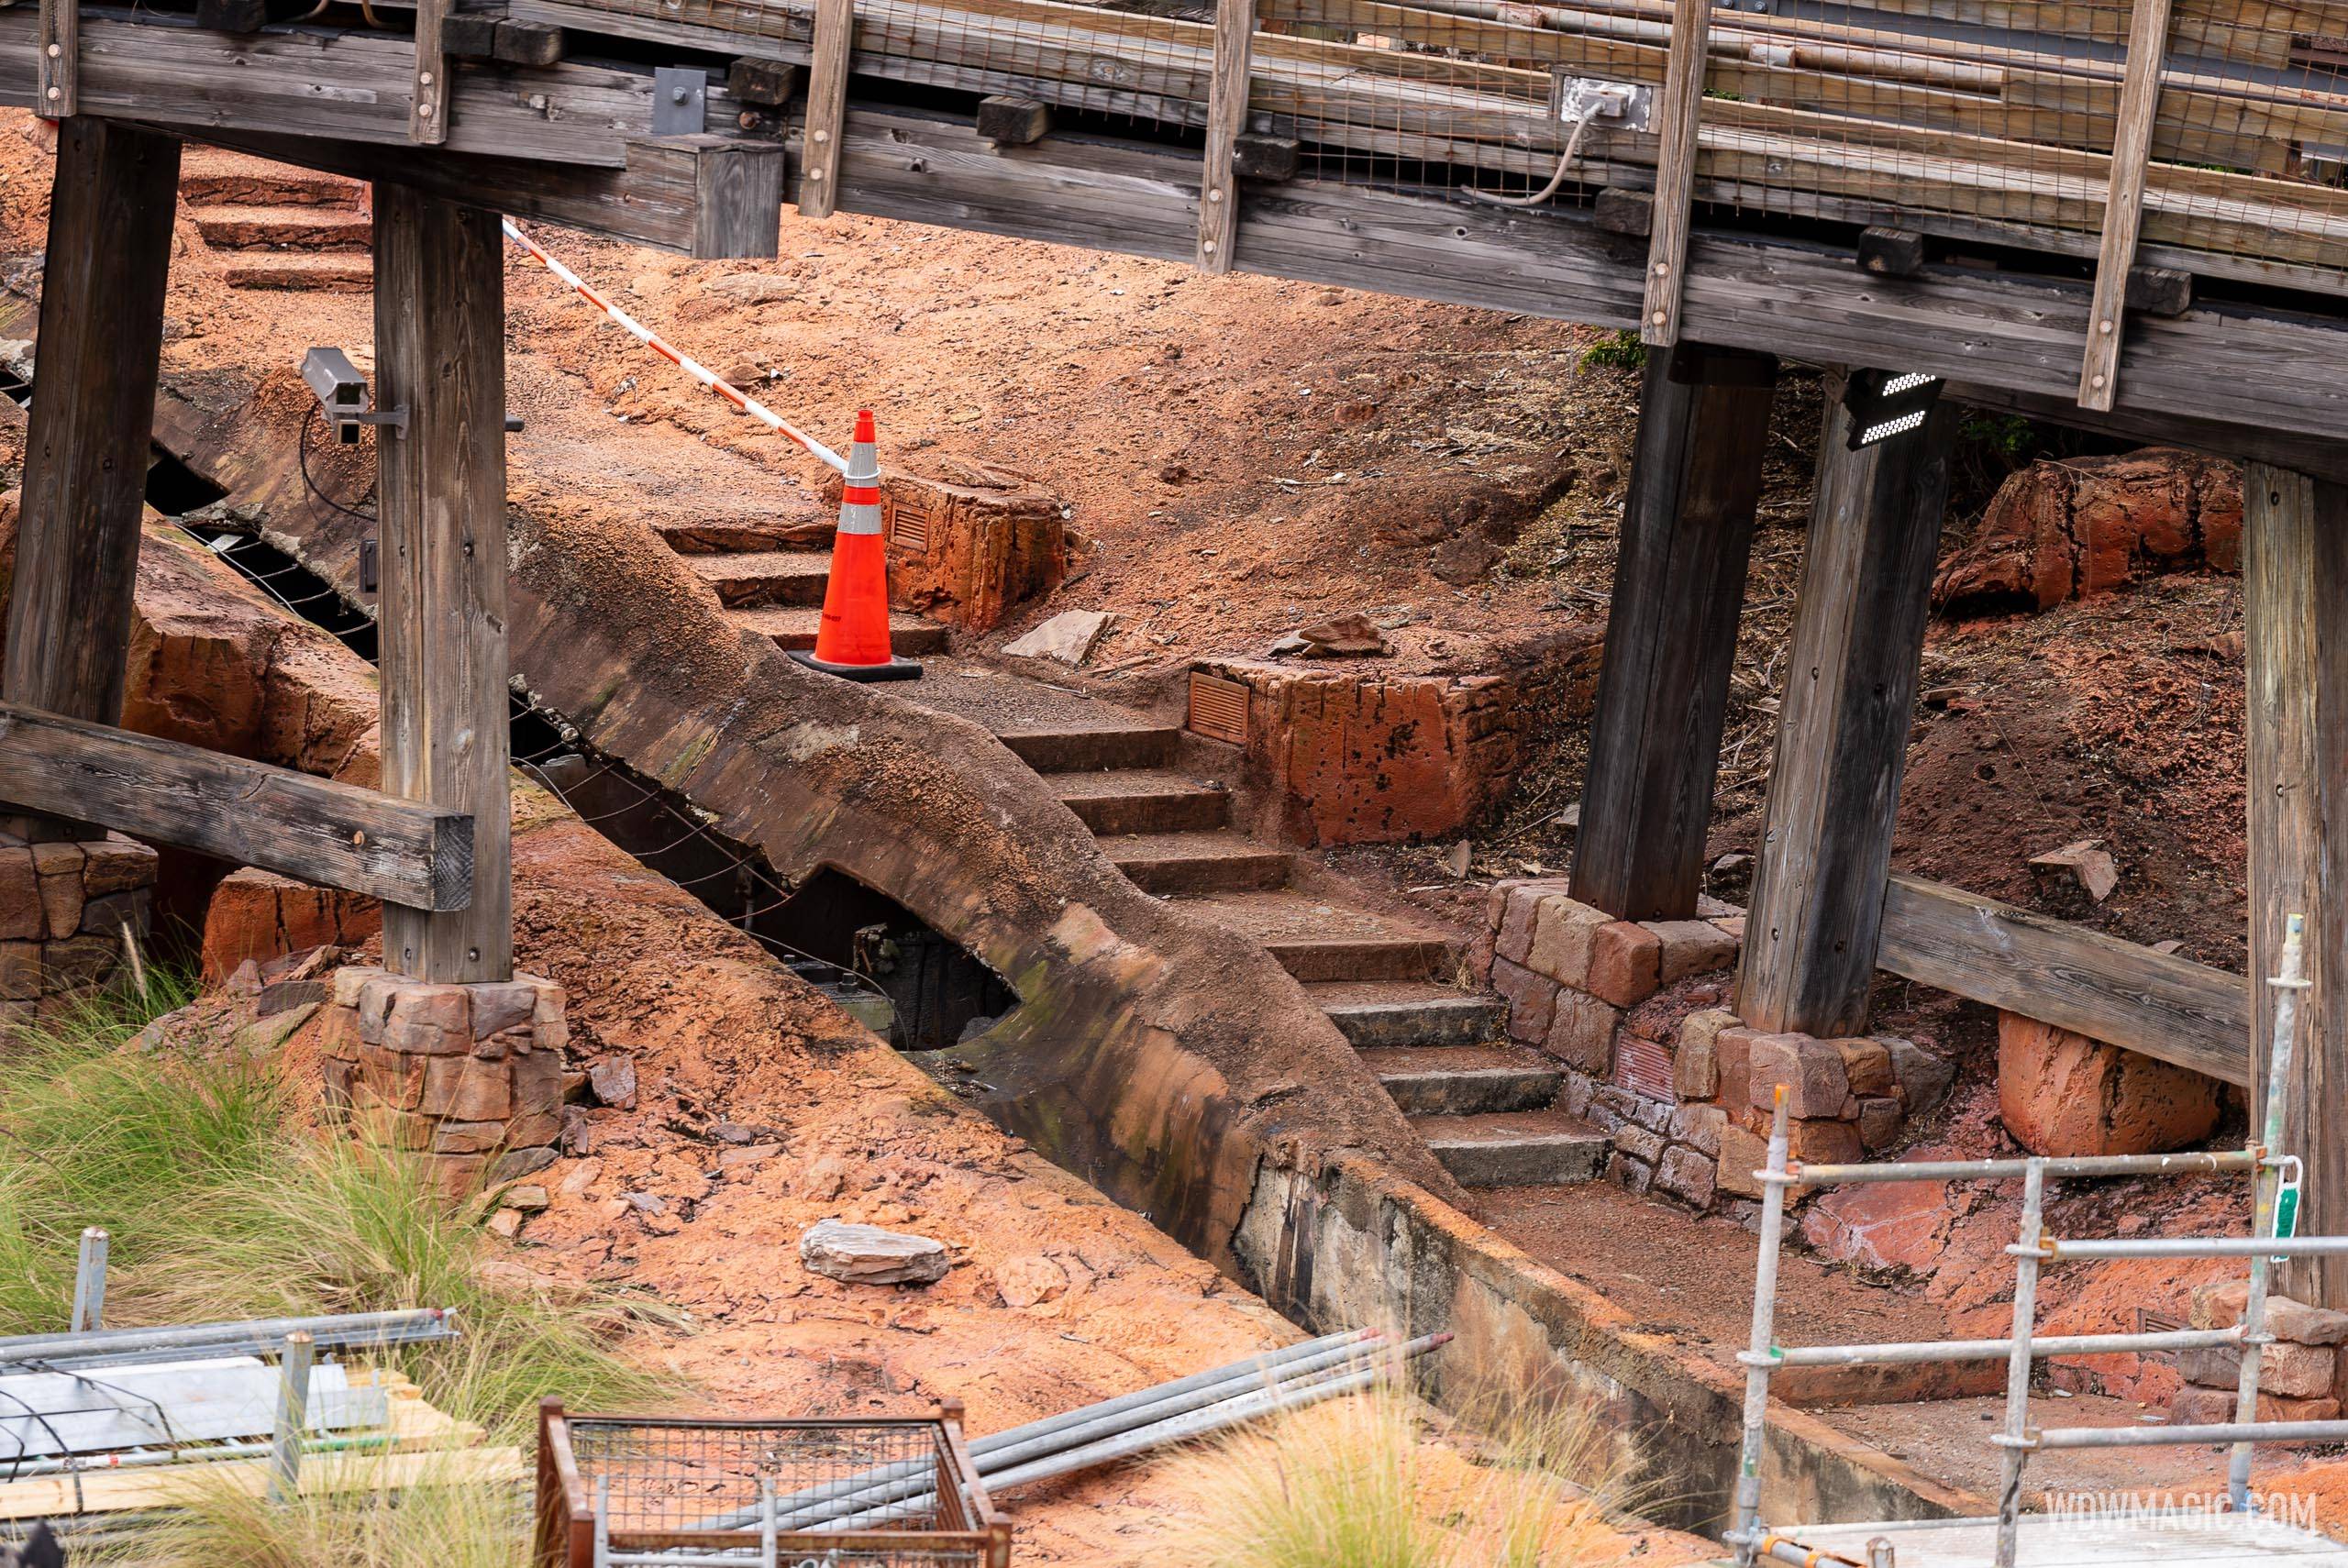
x=2295 y=605
x=769 y=84
x=2123 y=206
x=441 y=357
x=428 y=111
x=57 y=58
x=1671 y=637
x=336 y=835
x=700 y=196
x=1227 y=88
x=232 y=15
x=819 y=183
x=469 y=34
x=1011 y=121
x=1891 y=252
x=1812 y=931
x=2322 y=459
x=110 y=212
x=2065 y=975
x=2160 y=291
x=1270 y=158
x=527 y=43
x=1677 y=108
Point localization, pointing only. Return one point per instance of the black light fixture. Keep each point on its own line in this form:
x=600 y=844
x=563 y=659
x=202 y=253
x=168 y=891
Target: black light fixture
x=1885 y=403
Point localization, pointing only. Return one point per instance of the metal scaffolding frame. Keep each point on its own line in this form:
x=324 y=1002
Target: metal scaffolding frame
x=2260 y=1160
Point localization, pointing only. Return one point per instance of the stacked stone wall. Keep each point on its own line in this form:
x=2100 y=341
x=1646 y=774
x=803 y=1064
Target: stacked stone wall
x=70 y=914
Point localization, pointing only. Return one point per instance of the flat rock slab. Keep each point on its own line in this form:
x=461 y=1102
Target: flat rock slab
x=866 y=1254
x=1067 y=637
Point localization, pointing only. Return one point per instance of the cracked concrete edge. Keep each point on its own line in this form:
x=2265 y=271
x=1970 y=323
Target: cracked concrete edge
x=1153 y=1054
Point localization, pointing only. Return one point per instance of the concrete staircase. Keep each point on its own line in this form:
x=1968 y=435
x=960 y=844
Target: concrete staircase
x=769 y=571
x=278 y=228
x=1485 y=1105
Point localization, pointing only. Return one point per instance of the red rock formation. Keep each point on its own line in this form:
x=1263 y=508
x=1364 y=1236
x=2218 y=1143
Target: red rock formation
x=2060 y=1093
x=259 y=915
x=2065 y=529
x=969 y=546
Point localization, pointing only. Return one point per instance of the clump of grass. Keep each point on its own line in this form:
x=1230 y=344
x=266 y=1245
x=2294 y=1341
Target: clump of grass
x=1615 y=352
x=1358 y=1483
x=436 y=1520
x=223 y=1200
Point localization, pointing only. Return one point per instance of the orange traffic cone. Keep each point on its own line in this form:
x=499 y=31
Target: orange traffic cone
x=852 y=639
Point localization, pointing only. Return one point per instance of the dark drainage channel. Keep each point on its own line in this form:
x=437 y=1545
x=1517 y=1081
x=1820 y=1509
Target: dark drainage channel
x=877 y=960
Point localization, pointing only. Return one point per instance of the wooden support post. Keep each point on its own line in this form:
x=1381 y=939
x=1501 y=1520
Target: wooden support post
x=1671 y=637
x=86 y=447
x=1677 y=108
x=1009 y=120
x=1235 y=42
x=57 y=68
x=2123 y=203
x=441 y=357
x=819 y=157
x=1891 y=252
x=2295 y=599
x=428 y=109
x=1812 y=932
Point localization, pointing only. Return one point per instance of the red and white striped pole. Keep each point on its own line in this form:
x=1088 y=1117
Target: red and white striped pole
x=675 y=355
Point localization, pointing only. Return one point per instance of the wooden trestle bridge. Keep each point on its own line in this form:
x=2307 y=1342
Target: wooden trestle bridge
x=2126 y=215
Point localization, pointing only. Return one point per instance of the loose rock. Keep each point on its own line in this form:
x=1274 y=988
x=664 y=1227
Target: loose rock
x=866 y=1254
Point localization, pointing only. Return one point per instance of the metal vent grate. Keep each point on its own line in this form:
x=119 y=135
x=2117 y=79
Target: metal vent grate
x=909 y=529
x=1218 y=708
x=1643 y=1066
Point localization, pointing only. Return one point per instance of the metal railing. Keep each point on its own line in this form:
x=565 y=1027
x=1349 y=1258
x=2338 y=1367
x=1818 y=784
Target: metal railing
x=2032 y=1249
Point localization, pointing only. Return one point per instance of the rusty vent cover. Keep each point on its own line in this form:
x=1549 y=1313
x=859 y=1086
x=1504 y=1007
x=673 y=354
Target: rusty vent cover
x=1218 y=708
x=1643 y=1066
x=909 y=529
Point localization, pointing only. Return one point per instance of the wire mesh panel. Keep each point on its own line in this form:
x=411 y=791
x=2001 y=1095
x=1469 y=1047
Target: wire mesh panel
x=896 y=1493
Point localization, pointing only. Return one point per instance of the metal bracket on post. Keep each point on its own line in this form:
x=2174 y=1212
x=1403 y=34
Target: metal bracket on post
x=55 y=95
x=1235 y=34
x=1675 y=170
x=679 y=100
x=2123 y=203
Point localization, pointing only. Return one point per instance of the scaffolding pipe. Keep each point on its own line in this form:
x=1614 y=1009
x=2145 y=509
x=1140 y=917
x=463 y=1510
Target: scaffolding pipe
x=207 y=1453
x=341 y=1328
x=2287 y=986
x=2164 y=1437
x=1902 y=1352
x=2017 y=1432
x=2255 y=1248
x=1774 y=1181
x=90 y=1281
x=2219 y=1162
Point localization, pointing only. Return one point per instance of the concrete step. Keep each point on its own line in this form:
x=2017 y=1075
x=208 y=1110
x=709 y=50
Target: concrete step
x=1523 y=1148
x=745 y=535
x=1142 y=799
x=1463 y=1080
x=1398 y=1012
x=1315 y=939
x=1073 y=748
x=765 y=577
x=794 y=629
x=1213 y=862
x=298 y=226
x=308 y=271
x=209 y=176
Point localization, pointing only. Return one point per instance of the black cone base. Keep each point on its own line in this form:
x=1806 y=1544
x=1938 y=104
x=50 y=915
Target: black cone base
x=895 y=669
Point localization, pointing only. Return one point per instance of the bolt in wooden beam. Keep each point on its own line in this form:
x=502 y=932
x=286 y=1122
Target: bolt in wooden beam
x=2295 y=606
x=441 y=360
x=1816 y=921
x=1234 y=40
x=1675 y=107
x=820 y=160
x=428 y=109
x=2123 y=203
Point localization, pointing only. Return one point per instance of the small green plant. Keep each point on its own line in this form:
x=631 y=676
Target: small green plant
x=1615 y=352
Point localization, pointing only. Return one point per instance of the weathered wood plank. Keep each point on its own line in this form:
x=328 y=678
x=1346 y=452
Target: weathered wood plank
x=111 y=206
x=1676 y=107
x=737 y=193
x=769 y=83
x=2068 y=976
x=440 y=356
x=1012 y=121
x=819 y=182
x=427 y=112
x=1671 y=636
x=337 y=836
x=2322 y=459
x=2123 y=207
x=1234 y=32
x=57 y=74
x=1815 y=922
x=1891 y=252
x=2294 y=613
